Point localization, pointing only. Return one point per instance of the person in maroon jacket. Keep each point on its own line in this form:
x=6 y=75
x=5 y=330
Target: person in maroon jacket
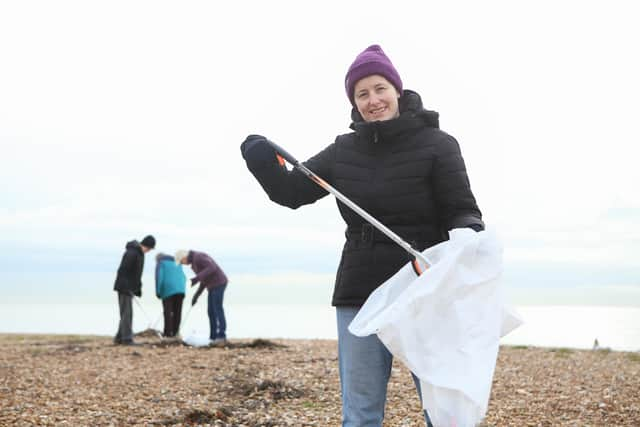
x=210 y=276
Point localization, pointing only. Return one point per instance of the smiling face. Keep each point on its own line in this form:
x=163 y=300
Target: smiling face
x=376 y=99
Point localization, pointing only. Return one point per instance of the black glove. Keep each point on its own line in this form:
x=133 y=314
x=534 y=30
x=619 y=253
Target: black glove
x=138 y=293
x=476 y=227
x=194 y=300
x=194 y=281
x=256 y=150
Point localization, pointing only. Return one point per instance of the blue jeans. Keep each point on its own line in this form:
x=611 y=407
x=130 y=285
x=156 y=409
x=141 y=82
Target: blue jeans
x=365 y=367
x=217 y=321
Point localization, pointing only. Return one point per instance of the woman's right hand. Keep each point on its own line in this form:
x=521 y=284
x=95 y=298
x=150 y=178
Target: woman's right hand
x=256 y=150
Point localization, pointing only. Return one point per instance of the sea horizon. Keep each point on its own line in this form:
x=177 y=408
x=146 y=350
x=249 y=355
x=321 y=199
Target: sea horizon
x=297 y=305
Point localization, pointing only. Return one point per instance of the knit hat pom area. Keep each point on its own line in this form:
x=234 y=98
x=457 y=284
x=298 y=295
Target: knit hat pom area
x=371 y=61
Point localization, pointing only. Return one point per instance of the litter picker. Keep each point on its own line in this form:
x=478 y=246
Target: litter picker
x=136 y=299
x=184 y=320
x=419 y=262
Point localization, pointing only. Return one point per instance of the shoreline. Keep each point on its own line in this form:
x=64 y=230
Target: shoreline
x=149 y=332
x=52 y=379
x=549 y=327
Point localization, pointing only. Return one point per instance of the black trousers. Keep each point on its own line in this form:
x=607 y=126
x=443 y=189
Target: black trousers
x=172 y=308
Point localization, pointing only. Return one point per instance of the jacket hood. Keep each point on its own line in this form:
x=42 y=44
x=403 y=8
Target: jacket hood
x=164 y=257
x=134 y=244
x=412 y=115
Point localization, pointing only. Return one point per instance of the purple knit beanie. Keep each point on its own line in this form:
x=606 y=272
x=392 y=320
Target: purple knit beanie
x=370 y=61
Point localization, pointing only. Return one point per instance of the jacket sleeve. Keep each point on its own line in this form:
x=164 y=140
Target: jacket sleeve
x=159 y=277
x=457 y=207
x=137 y=265
x=127 y=272
x=292 y=188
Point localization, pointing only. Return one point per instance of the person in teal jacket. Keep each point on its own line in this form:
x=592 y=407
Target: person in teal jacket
x=170 y=288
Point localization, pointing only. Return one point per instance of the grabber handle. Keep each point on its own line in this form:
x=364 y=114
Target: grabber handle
x=282 y=152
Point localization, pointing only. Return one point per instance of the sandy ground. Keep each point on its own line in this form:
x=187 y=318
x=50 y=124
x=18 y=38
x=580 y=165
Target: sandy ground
x=87 y=381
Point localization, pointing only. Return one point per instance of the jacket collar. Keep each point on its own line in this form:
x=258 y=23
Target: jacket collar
x=412 y=116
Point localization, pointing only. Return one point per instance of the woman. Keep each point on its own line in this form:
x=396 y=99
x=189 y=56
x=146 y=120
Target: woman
x=402 y=169
x=170 y=288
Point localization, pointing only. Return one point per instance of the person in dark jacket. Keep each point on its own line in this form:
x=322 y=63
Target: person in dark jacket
x=401 y=168
x=129 y=283
x=170 y=288
x=212 y=278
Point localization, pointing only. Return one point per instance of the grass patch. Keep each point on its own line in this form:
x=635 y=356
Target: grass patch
x=47 y=344
x=634 y=357
x=561 y=352
x=46 y=339
x=310 y=405
x=520 y=347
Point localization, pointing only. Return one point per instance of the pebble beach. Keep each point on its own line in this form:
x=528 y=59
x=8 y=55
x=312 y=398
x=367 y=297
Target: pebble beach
x=54 y=380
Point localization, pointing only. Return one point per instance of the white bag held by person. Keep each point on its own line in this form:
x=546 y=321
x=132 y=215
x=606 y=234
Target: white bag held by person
x=445 y=325
x=196 y=340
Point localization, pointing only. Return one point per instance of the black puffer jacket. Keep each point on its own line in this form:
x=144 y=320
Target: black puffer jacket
x=405 y=172
x=129 y=275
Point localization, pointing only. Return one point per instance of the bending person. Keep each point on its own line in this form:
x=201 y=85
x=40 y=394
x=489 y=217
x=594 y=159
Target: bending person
x=212 y=278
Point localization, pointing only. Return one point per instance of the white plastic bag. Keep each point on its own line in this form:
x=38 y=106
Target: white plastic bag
x=445 y=325
x=196 y=340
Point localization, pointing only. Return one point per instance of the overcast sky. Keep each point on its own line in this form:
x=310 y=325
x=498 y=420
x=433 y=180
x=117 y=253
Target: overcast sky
x=119 y=119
